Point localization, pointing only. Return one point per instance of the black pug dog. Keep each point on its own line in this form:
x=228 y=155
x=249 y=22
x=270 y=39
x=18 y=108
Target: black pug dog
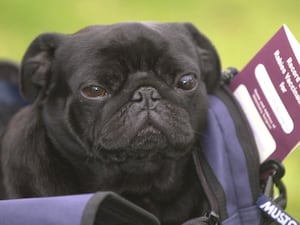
x=117 y=107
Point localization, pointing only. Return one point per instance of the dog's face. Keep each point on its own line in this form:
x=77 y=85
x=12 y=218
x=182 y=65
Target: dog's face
x=131 y=92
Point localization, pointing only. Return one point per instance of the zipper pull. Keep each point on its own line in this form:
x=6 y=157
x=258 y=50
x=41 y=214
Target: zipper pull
x=210 y=218
x=213 y=218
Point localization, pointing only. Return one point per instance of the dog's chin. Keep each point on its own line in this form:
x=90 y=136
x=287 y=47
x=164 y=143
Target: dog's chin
x=149 y=146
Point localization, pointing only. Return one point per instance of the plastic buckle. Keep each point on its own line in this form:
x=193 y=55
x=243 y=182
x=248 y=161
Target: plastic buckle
x=213 y=218
x=272 y=172
x=209 y=218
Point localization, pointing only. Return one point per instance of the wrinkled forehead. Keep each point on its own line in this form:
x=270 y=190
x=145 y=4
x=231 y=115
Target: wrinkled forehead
x=136 y=29
x=136 y=46
x=136 y=35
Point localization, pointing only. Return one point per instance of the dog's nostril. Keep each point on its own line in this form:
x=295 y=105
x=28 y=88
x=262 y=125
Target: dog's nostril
x=155 y=95
x=137 y=97
x=146 y=93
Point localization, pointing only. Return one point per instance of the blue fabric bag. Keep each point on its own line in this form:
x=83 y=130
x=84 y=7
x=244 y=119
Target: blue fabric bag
x=227 y=165
x=229 y=169
x=10 y=98
x=9 y=90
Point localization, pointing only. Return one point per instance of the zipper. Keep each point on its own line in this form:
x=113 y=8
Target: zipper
x=213 y=217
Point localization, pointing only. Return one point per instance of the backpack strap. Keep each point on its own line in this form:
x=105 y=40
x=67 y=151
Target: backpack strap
x=230 y=159
x=100 y=208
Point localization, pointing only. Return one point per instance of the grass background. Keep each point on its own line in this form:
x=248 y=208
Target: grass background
x=237 y=28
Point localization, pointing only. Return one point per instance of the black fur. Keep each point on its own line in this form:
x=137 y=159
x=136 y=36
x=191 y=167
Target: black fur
x=136 y=138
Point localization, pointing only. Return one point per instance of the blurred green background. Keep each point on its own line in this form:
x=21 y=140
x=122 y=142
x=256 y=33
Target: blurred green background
x=237 y=28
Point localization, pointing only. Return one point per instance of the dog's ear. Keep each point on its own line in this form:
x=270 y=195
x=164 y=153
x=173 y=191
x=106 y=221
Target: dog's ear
x=209 y=60
x=36 y=65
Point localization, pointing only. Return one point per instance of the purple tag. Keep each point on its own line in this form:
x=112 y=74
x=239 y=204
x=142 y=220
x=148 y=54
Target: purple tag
x=268 y=89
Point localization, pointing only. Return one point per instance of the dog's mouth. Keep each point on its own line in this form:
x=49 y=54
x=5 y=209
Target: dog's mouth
x=149 y=138
x=149 y=143
x=145 y=135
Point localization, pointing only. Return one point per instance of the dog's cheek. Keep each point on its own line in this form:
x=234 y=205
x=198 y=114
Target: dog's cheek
x=76 y=118
x=197 y=106
x=72 y=118
x=84 y=120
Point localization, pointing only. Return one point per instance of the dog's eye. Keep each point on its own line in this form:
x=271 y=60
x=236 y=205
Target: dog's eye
x=187 y=82
x=93 y=91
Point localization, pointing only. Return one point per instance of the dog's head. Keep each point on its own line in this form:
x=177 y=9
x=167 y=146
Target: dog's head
x=123 y=92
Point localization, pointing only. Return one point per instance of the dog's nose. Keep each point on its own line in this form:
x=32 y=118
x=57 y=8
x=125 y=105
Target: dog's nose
x=146 y=96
